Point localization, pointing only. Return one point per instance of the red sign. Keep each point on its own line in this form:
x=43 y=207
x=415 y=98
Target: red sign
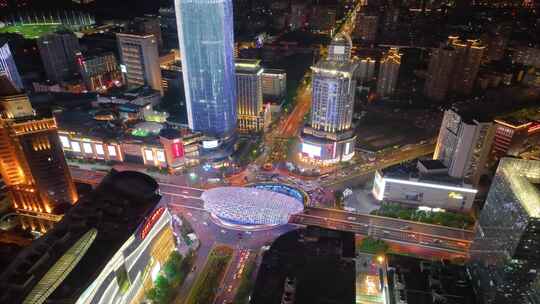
x=152 y=219
x=177 y=150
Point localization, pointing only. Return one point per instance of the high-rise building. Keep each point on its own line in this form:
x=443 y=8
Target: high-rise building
x=469 y=56
x=388 y=73
x=439 y=74
x=139 y=60
x=274 y=84
x=205 y=30
x=367 y=24
x=8 y=67
x=464 y=144
x=32 y=164
x=329 y=137
x=169 y=32
x=505 y=253
x=57 y=51
x=149 y=25
x=249 y=95
x=366 y=69
x=109 y=248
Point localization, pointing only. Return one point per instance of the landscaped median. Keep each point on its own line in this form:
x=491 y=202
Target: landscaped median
x=247 y=284
x=206 y=286
x=446 y=218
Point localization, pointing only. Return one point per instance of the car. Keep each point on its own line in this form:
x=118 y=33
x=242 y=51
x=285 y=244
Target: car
x=205 y=223
x=223 y=231
x=351 y=218
x=406 y=228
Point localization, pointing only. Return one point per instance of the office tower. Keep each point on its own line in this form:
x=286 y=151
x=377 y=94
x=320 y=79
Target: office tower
x=99 y=71
x=32 y=163
x=274 y=84
x=8 y=67
x=366 y=26
x=439 y=74
x=505 y=253
x=205 y=30
x=140 y=60
x=57 y=51
x=329 y=137
x=464 y=143
x=108 y=248
x=388 y=73
x=249 y=95
x=322 y=18
x=366 y=69
x=169 y=32
x=469 y=56
x=148 y=25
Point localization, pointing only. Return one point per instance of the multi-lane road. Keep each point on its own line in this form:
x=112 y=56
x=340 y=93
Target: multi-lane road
x=394 y=230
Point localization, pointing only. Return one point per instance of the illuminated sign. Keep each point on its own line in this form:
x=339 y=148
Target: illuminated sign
x=148 y=154
x=123 y=68
x=177 y=150
x=429 y=185
x=311 y=150
x=87 y=147
x=160 y=156
x=152 y=219
x=76 y=146
x=339 y=49
x=210 y=144
x=112 y=150
x=65 y=141
x=99 y=149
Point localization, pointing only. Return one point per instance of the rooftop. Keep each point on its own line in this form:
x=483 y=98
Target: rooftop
x=409 y=170
x=522 y=177
x=59 y=266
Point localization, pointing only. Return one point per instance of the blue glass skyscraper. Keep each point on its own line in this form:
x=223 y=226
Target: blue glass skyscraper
x=205 y=33
x=8 y=67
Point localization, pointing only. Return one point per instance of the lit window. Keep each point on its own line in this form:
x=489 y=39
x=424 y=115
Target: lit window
x=76 y=146
x=160 y=156
x=112 y=150
x=99 y=149
x=87 y=147
x=148 y=155
x=65 y=141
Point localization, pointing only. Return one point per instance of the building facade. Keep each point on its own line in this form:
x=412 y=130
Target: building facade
x=274 y=85
x=505 y=253
x=367 y=25
x=57 y=51
x=8 y=66
x=249 y=95
x=388 y=73
x=205 y=30
x=139 y=60
x=512 y=137
x=329 y=136
x=109 y=248
x=439 y=74
x=99 y=72
x=469 y=56
x=463 y=145
x=33 y=164
x=149 y=25
x=365 y=70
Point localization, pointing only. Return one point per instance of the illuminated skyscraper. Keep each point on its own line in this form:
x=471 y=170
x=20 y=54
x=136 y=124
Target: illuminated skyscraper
x=140 y=59
x=505 y=253
x=329 y=137
x=32 y=163
x=388 y=73
x=463 y=144
x=249 y=95
x=7 y=65
x=205 y=31
x=367 y=24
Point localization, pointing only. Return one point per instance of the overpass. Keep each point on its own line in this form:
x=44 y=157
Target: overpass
x=389 y=229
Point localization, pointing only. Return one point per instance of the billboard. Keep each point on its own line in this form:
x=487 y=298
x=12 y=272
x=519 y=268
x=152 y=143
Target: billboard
x=311 y=150
x=210 y=144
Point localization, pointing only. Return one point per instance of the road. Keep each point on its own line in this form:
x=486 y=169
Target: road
x=395 y=157
x=389 y=229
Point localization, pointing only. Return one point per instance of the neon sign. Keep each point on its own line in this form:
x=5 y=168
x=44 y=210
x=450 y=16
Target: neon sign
x=152 y=219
